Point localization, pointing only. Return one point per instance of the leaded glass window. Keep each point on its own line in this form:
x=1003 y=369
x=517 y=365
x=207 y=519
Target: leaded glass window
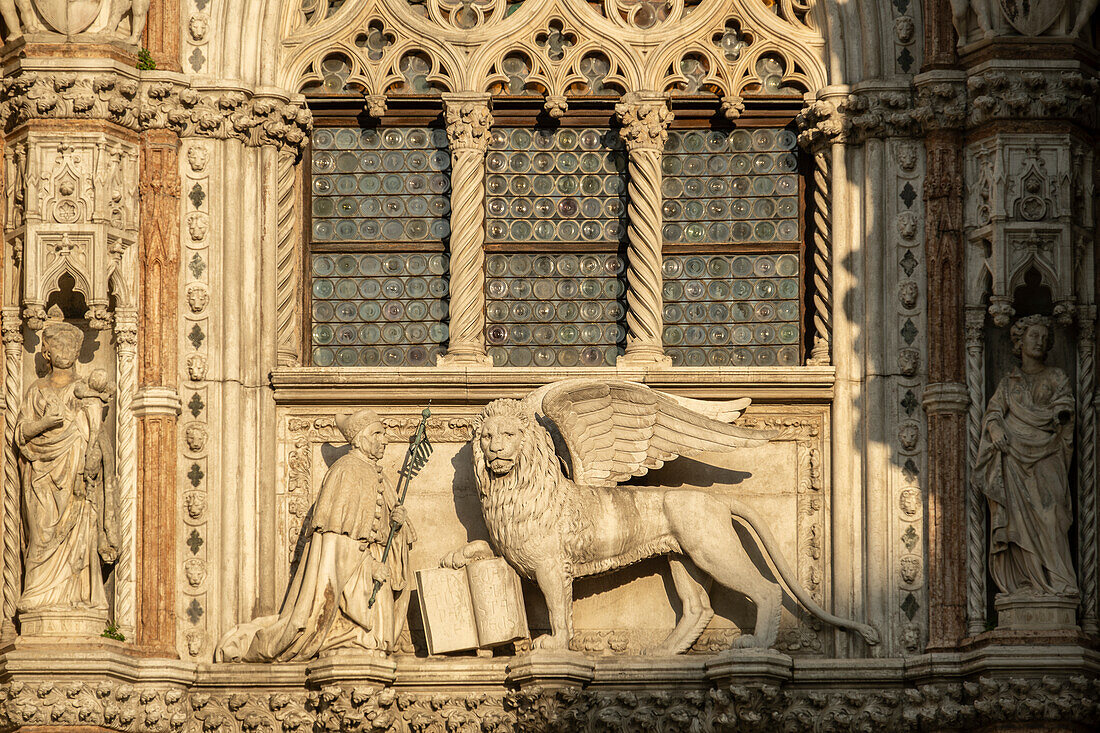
x=732 y=234
x=379 y=220
x=556 y=220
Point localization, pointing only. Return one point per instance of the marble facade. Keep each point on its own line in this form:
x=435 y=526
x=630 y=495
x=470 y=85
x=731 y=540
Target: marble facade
x=164 y=195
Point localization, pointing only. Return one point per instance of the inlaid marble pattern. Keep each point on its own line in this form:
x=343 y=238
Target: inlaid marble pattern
x=554 y=310
x=730 y=187
x=388 y=185
x=372 y=309
x=565 y=185
x=739 y=310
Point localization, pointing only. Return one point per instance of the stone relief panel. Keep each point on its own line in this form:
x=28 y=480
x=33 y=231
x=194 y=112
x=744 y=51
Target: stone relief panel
x=625 y=612
x=976 y=20
x=107 y=20
x=194 y=469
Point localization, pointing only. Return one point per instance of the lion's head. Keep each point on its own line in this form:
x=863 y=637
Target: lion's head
x=510 y=447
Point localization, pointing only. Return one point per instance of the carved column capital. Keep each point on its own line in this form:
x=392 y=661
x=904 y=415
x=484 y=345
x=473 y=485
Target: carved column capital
x=11 y=328
x=975 y=326
x=469 y=117
x=645 y=118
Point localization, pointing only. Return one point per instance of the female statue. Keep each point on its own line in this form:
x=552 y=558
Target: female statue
x=1023 y=470
x=67 y=478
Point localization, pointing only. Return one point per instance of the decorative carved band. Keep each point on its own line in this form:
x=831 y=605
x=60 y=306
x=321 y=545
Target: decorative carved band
x=238 y=114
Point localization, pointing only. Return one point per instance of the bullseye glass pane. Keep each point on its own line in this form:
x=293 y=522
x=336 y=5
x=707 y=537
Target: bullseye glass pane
x=554 y=309
x=737 y=187
x=564 y=185
x=732 y=310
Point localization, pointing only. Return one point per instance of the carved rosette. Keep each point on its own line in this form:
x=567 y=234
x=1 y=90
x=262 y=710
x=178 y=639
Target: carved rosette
x=645 y=120
x=468 y=121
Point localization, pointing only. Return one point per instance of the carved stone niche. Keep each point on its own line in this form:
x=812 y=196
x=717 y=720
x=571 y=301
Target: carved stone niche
x=72 y=203
x=1028 y=206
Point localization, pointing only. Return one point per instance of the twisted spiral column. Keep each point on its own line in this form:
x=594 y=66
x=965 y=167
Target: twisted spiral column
x=126 y=465
x=287 y=261
x=975 y=505
x=12 y=329
x=645 y=119
x=1086 y=469
x=822 y=257
x=469 y=118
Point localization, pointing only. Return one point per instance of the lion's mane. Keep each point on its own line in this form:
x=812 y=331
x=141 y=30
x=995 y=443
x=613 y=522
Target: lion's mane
x=534 y=497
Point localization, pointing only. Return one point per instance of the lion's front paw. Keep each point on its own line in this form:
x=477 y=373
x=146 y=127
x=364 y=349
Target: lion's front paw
x=549 y=641
x=454 y=560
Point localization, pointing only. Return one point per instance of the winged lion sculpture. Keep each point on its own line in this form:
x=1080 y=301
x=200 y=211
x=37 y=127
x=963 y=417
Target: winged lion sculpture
x=555 y=521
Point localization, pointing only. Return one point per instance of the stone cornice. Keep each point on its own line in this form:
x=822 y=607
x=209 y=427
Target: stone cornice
x=954 y=100
x=140 y=101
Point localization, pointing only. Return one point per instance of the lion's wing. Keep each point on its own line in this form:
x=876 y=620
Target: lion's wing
x=618 y=429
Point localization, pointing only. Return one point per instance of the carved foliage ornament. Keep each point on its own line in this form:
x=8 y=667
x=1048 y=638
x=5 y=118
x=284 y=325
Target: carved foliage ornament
x=255 y=120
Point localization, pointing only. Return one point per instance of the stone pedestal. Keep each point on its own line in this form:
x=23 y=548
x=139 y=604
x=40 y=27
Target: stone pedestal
x=550 y=670
x=363 y=669
x=66 y=623
x=1037 y=613
x=743 y=665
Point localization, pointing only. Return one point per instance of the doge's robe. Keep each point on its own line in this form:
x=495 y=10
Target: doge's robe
x=1027 y=487
x=60 y=521
x=326 y=604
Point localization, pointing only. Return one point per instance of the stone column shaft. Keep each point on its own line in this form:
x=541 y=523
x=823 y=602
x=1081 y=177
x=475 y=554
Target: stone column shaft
x=12 y=329
x=645 y=119
x=162 y=34
x=469 y=118
x=945 y=399
x=157 y=403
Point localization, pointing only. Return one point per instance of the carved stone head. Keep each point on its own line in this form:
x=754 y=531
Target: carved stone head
x=197 y=297
x=194 y=643
x=499 y=437
x=909 y=435
x=910 y=569
x=909 y=361
x=907 y=225
x=61 y=341
x=908 y=293
x=197 y=27
x=195 y=502
x=195 y=570
x=907 y=156
x=1031 y=335
x=197 y=157
x=910 y=638
x=196 y=226
x=365 y=430
x=195 y=435
x=196 y=367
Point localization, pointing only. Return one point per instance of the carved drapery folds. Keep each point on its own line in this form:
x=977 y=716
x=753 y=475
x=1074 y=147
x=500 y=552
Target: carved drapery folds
x=468 y=121
x=645 y=119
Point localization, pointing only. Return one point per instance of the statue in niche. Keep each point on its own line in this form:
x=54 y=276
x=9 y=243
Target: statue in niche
x=327 y=606
x=553 y=527
x=69 y=486
x=1023 y=470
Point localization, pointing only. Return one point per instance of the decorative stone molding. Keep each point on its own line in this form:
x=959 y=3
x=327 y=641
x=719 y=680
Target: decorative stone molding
x=160 y=708
x=1015 y=93
x=148 y=103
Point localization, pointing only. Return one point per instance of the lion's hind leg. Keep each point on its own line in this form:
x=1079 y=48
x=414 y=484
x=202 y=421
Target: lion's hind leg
x=693 y=587
x=702 y=526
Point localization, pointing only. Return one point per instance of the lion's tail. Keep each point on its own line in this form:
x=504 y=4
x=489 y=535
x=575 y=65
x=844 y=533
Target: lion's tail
x=771 y=549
